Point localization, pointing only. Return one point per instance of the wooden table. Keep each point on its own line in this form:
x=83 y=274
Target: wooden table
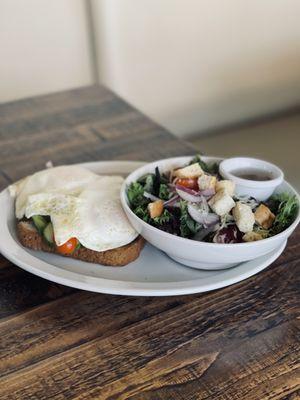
x=241 y=342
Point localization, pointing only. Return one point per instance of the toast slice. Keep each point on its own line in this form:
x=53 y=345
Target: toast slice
x=30 y=238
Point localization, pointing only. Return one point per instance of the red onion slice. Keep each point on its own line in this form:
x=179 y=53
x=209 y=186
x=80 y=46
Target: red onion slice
x=150 y=196
x=207 y=192
x=187 y=190
x=186 y=193
x=189 y=197
x=171 y=201
x=202 y=217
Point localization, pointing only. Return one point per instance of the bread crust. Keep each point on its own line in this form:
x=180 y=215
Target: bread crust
x=30 y=238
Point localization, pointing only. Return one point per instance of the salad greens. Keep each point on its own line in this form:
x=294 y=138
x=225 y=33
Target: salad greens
x=142 y=213
x=164 y=192
x=188 y=227
x=135 y=194
x=189 y=212
x=285 y=207
x=164 y=218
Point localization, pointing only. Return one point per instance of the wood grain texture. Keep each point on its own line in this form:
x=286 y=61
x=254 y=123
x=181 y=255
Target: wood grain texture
x=241 y=342
x=81 y=125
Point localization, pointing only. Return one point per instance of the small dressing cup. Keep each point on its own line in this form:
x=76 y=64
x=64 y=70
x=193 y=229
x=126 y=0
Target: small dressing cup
x=260 y=184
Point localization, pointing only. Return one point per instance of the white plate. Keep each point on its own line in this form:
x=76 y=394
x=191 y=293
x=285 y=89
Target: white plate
x=153 y=274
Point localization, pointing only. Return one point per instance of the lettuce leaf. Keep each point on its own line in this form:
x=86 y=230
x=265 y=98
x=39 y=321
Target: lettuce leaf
x=135 y=194
x=286 y=208
x=188 y=227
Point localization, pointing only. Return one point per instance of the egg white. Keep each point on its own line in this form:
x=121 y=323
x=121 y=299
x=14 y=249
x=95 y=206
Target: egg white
x=80 y=204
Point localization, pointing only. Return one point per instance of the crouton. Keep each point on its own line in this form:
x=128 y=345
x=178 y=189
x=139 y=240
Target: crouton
x=264 y=216
x=228 y=186
x=252 y=237
x=156 y=208
x=207 y=182
x=244 y=217
x=191 y=171
x=221 y=203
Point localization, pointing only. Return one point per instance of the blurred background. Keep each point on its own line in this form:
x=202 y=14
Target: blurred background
x=223 y=75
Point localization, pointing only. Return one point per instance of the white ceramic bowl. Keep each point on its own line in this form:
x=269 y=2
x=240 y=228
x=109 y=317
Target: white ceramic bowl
x=260 y=190
x=201 y=255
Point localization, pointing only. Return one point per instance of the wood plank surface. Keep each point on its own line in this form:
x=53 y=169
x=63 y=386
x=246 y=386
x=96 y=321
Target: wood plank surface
x=240 y=342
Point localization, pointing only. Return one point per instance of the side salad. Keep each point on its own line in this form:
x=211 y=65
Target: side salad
x=195 y=202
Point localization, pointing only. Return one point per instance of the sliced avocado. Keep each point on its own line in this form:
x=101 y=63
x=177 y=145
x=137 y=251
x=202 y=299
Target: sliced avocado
x=40 y=223
x=49 y=234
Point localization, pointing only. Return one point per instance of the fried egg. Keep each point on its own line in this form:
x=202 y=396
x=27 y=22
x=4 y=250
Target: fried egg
x=80 y=203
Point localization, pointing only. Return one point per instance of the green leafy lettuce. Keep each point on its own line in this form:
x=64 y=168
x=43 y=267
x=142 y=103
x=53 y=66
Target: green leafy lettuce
x=163 y=219
x=142 y=212
x=135 y=194
x=139 y=203
x=285 y=207
x=188 y=227
x=164 y=192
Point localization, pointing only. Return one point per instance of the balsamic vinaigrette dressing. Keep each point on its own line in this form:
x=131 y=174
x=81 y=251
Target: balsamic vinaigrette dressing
x=253 y=174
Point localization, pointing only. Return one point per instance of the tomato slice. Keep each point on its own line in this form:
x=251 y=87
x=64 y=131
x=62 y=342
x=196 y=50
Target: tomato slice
x=191 y=183
x=68 y=247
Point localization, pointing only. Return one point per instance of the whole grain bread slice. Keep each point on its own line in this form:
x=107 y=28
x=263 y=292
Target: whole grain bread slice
x=30 y=238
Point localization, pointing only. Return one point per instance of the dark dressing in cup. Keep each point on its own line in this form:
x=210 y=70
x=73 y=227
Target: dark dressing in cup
x=253 y=174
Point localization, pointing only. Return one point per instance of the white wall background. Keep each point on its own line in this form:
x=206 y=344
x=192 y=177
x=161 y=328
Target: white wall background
x=189 y=64
x=199 y=64
x=44 y=47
